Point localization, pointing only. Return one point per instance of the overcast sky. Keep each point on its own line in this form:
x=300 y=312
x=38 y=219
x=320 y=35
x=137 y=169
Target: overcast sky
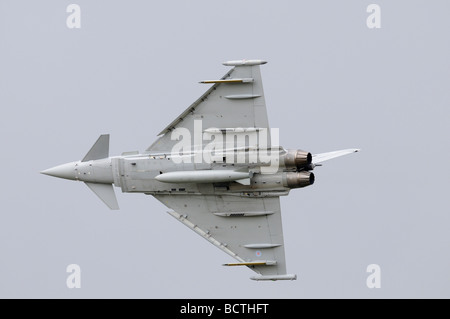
x=331 y=83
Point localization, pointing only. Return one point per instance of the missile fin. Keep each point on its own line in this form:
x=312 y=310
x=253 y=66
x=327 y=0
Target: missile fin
x=244 y=181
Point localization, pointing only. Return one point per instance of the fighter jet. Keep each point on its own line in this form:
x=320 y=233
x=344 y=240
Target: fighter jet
x=218 y=167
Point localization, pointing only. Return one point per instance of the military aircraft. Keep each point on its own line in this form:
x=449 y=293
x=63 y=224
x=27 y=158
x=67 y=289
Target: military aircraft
x=218 y=167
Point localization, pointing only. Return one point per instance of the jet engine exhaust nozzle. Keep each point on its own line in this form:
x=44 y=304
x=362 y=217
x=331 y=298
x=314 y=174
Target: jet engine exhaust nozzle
x=300 y=179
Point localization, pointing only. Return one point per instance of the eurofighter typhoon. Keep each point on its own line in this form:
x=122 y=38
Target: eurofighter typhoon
x=218 y=167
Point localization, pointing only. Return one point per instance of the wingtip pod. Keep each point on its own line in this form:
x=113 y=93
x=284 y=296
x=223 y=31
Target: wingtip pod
x=274 y=277
x=244 y=62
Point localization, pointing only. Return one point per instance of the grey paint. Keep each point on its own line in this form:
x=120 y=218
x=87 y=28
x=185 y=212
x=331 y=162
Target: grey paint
x=339 y=84
x=221 y=200
x=99 y=150
x=106 y=194
x=243 y=113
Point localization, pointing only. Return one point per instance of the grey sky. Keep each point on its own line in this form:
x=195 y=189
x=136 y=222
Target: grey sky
x=330 y=83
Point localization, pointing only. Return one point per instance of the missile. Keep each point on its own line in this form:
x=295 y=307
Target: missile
x=206 y=176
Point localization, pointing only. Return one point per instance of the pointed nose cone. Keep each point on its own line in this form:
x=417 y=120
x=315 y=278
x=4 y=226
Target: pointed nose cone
x=66 y=171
